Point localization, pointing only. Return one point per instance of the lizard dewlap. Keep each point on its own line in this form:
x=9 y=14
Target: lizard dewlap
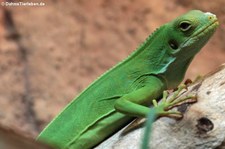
x=126 y=90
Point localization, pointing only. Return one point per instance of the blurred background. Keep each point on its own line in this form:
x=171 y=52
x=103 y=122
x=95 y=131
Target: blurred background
x=50 y=53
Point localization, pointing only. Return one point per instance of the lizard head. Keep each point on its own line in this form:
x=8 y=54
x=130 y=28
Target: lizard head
x=188 y=33
x=185 y=36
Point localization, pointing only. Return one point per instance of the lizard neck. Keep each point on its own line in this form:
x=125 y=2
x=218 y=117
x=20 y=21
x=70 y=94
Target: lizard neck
x=175 y=73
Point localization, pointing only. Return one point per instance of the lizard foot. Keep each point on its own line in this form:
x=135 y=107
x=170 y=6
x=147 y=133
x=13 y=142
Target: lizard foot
x=163 y=108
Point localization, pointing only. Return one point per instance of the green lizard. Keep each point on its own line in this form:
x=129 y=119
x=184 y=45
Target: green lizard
x=126 y=90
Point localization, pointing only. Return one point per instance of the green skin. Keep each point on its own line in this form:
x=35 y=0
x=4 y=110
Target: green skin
x=125 y=91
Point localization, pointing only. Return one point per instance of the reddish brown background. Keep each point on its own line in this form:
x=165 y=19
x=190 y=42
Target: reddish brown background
x=49 y=54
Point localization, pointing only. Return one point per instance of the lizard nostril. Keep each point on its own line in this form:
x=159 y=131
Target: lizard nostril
x=210 y=17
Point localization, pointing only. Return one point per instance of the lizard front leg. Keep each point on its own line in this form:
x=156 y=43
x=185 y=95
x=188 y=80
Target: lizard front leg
x=134 y=103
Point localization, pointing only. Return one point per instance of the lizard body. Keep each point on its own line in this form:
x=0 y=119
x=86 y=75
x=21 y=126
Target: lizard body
x=126 y=90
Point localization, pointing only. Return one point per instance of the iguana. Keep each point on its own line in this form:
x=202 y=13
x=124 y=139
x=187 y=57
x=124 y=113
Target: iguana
x=126 y=90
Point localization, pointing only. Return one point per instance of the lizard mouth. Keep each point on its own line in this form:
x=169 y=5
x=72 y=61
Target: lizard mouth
x=207 y=30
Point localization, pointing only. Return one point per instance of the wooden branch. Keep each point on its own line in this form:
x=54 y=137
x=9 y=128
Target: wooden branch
x=203 y=125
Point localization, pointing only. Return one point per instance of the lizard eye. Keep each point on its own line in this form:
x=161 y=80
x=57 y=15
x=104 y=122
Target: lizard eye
x=173 y=44
x=184 y=26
